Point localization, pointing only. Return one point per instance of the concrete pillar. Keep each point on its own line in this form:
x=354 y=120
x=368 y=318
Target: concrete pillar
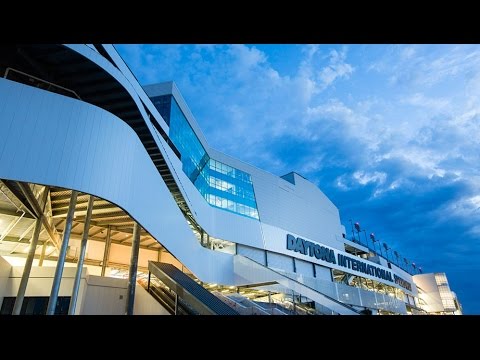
x=52 y=301
x=132 y=274
x=81 y=258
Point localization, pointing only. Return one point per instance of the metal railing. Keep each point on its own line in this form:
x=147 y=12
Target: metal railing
x=41 y=83
x=391 y=259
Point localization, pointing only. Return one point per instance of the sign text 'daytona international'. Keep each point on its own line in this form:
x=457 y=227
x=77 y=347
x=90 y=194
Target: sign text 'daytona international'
x=306 y=247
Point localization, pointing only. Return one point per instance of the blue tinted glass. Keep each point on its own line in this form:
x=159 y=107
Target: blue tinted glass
x=194 y=156
x=220 y=184
x=230 y=189
x=162 y=103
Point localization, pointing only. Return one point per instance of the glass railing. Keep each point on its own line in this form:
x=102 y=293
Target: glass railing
x=351 y=295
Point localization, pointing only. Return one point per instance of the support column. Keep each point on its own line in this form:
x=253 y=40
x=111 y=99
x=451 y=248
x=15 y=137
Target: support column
x=42 y=255
x=52 y=301
x=132 y=274
x=81 y=257
x=106 y=252
x=17 y=307
x=28 y=267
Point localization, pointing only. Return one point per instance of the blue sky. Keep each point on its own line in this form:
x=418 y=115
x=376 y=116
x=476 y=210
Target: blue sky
x=390 y=133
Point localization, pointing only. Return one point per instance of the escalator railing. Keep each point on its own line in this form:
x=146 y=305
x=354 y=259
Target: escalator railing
x=187 y=293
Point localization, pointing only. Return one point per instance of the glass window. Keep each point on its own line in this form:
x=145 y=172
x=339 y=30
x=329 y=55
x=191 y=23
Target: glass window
x=220 y=184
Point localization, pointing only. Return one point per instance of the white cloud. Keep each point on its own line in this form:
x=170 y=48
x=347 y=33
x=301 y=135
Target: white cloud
x=253 y=105
x=340 y=182
x=408 y=53
x=337 y=68
x=414 y=141
x=426 y=65
x=419 y=99
x=364 y=178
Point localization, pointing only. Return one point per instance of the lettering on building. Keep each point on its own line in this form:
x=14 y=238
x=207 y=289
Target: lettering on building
x=403 y=283
x=320 y=252
x=360 y=266
x=306 y=247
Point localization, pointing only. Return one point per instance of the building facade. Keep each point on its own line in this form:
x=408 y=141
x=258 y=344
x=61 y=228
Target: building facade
x=101 y=174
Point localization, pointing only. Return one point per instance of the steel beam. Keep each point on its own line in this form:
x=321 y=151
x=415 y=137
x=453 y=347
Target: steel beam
x=106 y=252
x=27 y=192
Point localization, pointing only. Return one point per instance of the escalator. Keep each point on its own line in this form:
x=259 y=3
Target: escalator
x=173 y=304
x=182 y=295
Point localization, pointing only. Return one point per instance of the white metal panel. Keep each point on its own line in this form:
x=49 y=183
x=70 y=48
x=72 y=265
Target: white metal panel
x=323 y=273
x=304 y=268
x=430 y=293
x=236 y=228
x=105 y=296
x=279 y=261
x=130 y=180
x=305 y=210
x=252 y=253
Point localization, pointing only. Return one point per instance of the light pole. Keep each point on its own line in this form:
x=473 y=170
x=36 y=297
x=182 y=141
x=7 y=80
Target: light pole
x=366 y=239
x=372 y=236
x=353 y=232
x=357 y=227
x=386 y=250
x=396 y=255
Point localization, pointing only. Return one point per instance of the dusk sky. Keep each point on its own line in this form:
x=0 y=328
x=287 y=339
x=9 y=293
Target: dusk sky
x=390 y=133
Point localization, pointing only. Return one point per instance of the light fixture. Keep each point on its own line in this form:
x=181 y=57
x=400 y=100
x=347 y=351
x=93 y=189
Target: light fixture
x=357 y=226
